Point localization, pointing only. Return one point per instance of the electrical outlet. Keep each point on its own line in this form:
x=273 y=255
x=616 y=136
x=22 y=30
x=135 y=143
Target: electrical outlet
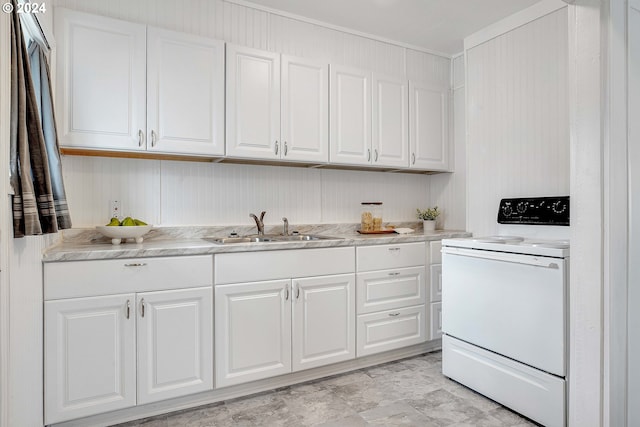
x=115 y=210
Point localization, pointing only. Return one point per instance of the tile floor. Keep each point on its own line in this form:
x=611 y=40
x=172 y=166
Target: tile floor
x=408 y=392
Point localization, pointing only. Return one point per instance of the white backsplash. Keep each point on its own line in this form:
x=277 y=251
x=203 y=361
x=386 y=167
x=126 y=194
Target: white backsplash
x=174 y=193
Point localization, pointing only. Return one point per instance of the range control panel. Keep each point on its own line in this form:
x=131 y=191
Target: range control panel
x=535 y=211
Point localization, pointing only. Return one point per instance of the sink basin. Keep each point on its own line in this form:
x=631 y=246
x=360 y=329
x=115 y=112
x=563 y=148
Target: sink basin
x=228 y=240
x=303 y=238
x=268 y=238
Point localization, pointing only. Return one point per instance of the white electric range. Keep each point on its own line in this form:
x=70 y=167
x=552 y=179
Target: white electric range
x=505 y=310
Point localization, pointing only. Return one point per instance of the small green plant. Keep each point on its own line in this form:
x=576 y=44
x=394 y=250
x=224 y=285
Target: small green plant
x=428 y=214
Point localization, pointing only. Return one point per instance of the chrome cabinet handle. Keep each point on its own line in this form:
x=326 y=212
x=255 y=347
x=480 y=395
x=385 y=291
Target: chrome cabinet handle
x=395 y=273
x=286 y=293
x=128 y=308
x=394 y=314
x=394 y=249
x=136 y=264
x=276 y=150
x=297 y=292
x=140 y=137
x=142 y=307
x=285 y=148
x=153 y=138
x=368 y=154
x=375 y=155
x=413 y=158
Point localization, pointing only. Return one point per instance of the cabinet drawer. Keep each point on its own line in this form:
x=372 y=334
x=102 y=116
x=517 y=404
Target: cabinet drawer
x=435 y=254
x=388 y=289
x=114 y=276
x=388 y=330
x=436 y=282
x=382 y=257
x=436 y=321
x=273 y=265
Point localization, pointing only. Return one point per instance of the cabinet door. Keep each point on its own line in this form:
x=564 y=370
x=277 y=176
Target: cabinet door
x=252 y=331
x=429 y=127
x=323 y=320
x=350 y=121
x=390 y=121
x=175 y=343
x=387 y=289
x=101 y=100
x=185 y=104
x=253 y=103
x=305 y=110
x=90 y=356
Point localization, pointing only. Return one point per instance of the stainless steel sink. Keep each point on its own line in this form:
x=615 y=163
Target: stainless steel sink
x=304 y=238
x=268 y=238
x=228 y=240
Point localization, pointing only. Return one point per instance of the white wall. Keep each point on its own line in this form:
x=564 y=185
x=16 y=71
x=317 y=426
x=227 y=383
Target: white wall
x=517 y=118
x=182 y=193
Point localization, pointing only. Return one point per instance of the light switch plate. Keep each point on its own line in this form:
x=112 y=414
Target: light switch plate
x=115 y=209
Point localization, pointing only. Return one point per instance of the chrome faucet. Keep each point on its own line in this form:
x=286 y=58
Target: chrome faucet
x=259 y=222
x=285 y=226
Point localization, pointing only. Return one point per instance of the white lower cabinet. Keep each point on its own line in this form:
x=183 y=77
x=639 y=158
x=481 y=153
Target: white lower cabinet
x=435 y=269
x=392 y=297
x=109 y=352
x=269 y=328
x=90 y=356
x=324 y=320
x=391 y=329
x=175 y=343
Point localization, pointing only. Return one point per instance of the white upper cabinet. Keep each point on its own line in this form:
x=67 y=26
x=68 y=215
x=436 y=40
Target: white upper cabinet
x=390 y=121
x=429 y=127
x=305 y=110
x=350 y=121
x=185 y=93
x=101 y=81
x=253 y=103
x=123 y=88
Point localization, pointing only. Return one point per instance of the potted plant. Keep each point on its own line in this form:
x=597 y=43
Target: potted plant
x=428 y=217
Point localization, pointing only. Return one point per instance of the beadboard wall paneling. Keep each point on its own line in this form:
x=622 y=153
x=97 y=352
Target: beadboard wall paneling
x=92 y=182
x=517 y=118
x=207 y=194
x=448 y=190
x=430 y=69
x=343 y=191
x=25 y=333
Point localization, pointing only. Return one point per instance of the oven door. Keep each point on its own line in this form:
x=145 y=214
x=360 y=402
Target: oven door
x=511 y=304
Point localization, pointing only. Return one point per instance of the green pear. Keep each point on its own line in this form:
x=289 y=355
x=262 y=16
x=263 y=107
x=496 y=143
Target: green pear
x=127 y=222
x=114 y=222
x=139 y=222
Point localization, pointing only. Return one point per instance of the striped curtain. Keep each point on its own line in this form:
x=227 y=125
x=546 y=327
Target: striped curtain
x=39 y=201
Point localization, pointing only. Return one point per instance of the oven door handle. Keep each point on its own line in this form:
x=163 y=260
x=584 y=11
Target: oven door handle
x=504 y=257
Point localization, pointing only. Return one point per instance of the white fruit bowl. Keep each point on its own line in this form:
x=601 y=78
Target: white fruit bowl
x=118 y=233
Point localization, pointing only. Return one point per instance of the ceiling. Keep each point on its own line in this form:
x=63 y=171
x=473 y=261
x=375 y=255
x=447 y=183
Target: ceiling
x=437 y=25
